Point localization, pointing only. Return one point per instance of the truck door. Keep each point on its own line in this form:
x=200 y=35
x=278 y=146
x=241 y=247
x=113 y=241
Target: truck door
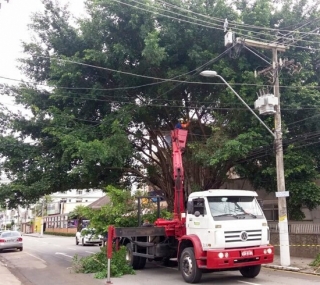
x=198 y=222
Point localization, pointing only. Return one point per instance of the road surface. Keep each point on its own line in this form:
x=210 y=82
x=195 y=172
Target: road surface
x=48 y=261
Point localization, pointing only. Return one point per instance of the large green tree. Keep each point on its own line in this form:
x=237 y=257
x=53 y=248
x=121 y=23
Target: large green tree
x=118 y=81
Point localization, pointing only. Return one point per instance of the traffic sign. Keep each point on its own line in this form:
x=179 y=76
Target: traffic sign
x=282 y=194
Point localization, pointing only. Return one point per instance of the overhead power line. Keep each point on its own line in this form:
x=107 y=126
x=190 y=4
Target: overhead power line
x=153 y=9
x=232 y=24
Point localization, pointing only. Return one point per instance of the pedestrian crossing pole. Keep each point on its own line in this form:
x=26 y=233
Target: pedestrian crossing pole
x=109 y=252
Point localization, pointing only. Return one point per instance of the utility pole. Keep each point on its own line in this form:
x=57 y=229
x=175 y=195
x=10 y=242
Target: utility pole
x=281 y=189
x=42 y=216
x=5 y=217
x=282 y=203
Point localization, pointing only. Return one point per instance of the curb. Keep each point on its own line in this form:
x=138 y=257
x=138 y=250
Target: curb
x=279 y=267
x=290 y=268
x=32 y=235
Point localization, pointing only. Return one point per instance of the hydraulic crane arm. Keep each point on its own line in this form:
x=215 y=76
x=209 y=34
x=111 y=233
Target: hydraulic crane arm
x=179 y=139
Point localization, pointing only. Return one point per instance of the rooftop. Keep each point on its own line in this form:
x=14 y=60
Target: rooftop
x=100 y=202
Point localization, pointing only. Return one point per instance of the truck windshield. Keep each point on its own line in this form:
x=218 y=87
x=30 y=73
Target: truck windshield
x=230 y=207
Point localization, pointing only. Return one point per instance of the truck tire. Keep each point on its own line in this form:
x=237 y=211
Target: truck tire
x=188 y=266
x=136 y=262
x=142 y=262
x=250 y=271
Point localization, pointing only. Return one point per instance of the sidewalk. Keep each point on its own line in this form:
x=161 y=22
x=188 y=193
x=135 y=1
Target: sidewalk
x=298 y=264
x=34 y=235
x=7 y=277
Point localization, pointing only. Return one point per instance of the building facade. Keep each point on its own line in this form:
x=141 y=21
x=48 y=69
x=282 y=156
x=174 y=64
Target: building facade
x=62 y=203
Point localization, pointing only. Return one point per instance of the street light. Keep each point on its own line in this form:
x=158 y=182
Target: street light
x=283 y=222
x=211 y=73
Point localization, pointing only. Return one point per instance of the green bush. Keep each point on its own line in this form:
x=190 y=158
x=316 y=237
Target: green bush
x=97 y=263
x=316 y=262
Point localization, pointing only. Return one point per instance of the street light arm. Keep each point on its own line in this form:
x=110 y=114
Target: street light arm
x=246 y=105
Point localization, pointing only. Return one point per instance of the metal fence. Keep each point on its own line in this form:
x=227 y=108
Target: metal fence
x=297 y=228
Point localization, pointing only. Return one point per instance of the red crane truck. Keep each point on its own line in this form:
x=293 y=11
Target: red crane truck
x=220 y=230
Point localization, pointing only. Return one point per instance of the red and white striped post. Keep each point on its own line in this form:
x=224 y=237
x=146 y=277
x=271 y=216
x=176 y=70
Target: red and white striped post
x=109 y=251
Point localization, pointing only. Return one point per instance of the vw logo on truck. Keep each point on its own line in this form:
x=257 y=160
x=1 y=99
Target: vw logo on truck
x=244 y=236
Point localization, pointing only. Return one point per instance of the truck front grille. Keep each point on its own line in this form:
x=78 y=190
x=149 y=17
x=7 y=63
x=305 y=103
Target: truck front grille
x=242 y=236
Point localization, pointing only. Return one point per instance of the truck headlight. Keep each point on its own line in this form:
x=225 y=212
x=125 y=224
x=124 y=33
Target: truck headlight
x=267 y=251
x=221 y=255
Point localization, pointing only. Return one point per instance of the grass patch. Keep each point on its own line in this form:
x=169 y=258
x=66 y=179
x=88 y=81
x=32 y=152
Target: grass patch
x=316 y=262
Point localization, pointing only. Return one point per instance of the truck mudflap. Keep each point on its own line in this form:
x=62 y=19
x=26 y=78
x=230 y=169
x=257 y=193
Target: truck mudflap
x=235 y=258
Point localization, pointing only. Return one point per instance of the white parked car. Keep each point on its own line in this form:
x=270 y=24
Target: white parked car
x=11 y=240
x=88 y=236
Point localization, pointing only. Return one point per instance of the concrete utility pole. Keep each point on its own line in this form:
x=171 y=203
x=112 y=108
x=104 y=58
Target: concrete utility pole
x=281 y=188
x=42 y=216
x=282 y=203
x=5 y=217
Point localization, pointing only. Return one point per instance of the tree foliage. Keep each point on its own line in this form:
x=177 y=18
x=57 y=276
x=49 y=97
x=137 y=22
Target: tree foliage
x=121 y=78
x=122 y=211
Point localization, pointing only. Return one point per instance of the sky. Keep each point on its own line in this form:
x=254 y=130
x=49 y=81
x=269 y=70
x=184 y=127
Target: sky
x=14 y=18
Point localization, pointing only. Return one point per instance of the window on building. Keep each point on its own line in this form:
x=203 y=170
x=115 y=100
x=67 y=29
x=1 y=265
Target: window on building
x=78 y=200
x=79 y=192
x=69 y=200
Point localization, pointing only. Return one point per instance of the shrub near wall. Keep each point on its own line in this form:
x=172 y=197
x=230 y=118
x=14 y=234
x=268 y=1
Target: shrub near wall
x=60 y=234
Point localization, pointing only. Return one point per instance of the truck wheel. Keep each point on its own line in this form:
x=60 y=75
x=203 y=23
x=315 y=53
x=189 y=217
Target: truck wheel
x=132 y=260
x=250 y=271
x=188 y=266
x=142 y=262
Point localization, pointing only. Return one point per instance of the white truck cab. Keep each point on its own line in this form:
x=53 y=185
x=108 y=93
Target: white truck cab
x=225 y=219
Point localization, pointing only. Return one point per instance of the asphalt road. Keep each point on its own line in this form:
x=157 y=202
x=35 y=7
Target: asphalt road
x=157 y=275
x=47 y=261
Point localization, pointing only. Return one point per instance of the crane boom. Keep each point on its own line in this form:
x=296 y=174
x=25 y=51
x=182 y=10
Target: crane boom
x=179 y=139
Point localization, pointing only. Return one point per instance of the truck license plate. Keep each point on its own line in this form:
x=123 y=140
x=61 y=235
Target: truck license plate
x=246 y=252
